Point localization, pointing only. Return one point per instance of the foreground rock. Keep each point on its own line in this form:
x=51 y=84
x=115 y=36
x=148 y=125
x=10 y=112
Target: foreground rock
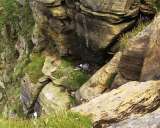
x=100 y=81
x=151 y=120
x=133 y=98
x=53 y=98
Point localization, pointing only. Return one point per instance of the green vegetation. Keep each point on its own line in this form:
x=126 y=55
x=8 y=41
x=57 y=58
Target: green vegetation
x=61 y=119
x=13 y=103
x=75 y=78
x=17 y=17
x=125 y=38
x=9 y=13
x=157 y=4
x=34 y=68
x=19 y=67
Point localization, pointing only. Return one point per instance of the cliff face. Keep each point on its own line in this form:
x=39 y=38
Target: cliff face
x=52 y=52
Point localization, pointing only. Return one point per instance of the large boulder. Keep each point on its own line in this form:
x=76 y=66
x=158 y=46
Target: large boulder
x=133 y=98
x=100 y=81
x=53 y=98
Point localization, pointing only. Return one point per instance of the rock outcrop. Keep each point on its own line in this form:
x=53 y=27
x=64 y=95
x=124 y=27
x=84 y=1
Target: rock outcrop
x=140 y=60
x=151 y=65
x=53 y=98
x=30 y=93
x=88 y=25
x=131 y=99
x=85 y=31
x=100 y=81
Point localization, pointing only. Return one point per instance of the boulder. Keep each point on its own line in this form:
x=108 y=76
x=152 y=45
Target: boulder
x=133 y=98
x=151 y=65
x=140 y=60
x=100 y=81
x=150 y=120
x=30 y=92
x=53 y=98
x=132 y=59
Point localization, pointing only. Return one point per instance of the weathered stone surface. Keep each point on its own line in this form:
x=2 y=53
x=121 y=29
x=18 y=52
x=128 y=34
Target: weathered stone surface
x=38 y=38
x=150 y=120
x=50 y=65
x=118 y=81
x=133 y=57
x=100 y=81
x=59 y=12
x=87 y=25
x=53 y=98
x=98 y=34
x=50 y=1
x=133 y=98
x=30 y=92
x=140 y=60
x=107 y=5
x=151 y=66
x=22 y=47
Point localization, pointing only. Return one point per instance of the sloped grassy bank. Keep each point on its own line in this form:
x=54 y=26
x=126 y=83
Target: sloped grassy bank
x=61 y=119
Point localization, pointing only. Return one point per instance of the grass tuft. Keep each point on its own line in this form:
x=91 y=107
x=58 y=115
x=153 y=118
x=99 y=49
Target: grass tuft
x=75 y=78
x=60 y=119
x=125 y=37
x=34 y=68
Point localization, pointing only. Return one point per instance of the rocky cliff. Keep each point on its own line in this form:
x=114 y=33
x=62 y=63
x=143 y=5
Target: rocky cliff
x=99 y=58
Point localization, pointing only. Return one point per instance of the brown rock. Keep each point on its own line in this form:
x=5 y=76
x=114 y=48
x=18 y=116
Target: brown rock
x=133 y=98
x=151 y=66
x=100 y=81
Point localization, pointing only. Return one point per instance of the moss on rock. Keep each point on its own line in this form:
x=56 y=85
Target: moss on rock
x=34 y=68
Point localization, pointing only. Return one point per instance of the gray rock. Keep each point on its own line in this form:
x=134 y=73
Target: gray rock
x=151 y=65
x=53 y=98
x=30 y=92
x=150 y=120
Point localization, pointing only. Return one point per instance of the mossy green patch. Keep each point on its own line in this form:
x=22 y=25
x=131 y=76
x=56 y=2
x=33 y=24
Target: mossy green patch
x=34 y=68
x=74 y=78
